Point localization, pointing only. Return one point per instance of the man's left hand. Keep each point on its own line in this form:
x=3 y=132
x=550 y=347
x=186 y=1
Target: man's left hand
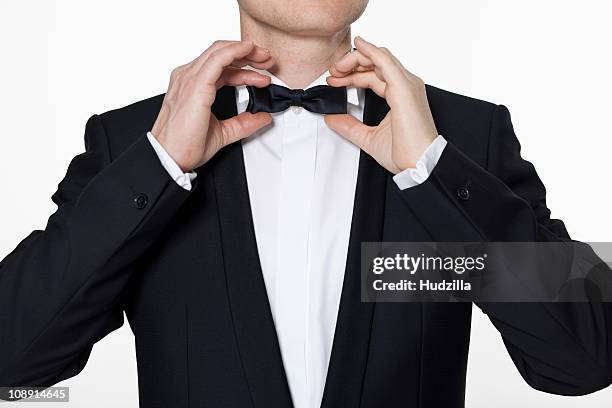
x=402 y=136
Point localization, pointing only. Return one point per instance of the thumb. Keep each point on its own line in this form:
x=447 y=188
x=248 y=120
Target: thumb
x=350 y=128
x=243 y=125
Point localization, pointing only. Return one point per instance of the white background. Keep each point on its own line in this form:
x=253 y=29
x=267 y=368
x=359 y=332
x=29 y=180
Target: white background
x=548 y=61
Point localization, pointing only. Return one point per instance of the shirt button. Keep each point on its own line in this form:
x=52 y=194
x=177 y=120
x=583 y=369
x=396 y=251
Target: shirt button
x=141 y=201
x=296 y=109
x=463 y=193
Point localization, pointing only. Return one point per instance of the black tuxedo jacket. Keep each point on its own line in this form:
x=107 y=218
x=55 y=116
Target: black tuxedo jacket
x=184 y=268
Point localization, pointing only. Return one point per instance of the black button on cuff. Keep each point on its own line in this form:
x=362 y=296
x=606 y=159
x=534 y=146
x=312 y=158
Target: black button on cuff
x=141 y=201
x=463 y=193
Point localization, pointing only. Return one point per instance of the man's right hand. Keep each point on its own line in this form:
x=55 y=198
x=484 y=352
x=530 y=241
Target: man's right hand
x=185 y=126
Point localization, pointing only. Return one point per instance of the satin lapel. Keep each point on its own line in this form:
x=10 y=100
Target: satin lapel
x=253 y=324
x=352 y=337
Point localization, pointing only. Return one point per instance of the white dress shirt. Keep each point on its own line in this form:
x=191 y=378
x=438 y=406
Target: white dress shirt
x=301 y=178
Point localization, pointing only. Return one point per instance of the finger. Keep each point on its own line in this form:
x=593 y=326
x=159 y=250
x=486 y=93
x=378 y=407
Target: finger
x=390 y=68
x=197 y=63
x=394 y=58
x=360 y=80
x=370 y=50
x=259 y=54
x=350 y=63
x=266 y=64
x=222 y=58
x=351 y=129
x=358 y=68
x=242 y=126
x=256 y=56
x=194 y=66
x=236 y=77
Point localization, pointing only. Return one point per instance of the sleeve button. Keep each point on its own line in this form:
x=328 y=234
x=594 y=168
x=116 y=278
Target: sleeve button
x=463 y=193
x=141 y=201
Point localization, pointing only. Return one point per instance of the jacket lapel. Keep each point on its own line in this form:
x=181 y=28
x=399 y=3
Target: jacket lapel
x=253 y=323
x=352 y=337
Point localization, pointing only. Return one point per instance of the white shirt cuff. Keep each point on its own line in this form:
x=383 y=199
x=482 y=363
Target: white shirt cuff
x=182 y=179
x=424 y=166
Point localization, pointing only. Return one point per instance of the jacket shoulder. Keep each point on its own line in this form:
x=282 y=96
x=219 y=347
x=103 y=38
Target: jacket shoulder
x=124 y=125
x=463 y=120
x=452 y=105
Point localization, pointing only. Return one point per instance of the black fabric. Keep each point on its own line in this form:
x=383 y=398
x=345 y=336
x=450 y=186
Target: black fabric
x=184 y=268
x=318 y=99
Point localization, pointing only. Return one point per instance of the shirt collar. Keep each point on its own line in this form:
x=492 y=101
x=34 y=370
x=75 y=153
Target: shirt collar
x=354 y=96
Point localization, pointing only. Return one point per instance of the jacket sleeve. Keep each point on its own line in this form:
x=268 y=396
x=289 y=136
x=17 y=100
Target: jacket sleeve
x=61 y=288
x=560 y=348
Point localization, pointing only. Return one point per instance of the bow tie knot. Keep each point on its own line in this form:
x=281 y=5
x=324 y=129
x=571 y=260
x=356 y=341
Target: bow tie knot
x=296 y=97
x=322 y=99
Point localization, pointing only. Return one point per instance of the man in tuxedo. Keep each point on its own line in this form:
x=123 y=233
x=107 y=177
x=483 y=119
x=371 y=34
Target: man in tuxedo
x=225 y=219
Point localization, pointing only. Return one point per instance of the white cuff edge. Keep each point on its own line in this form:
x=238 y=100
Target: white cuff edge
x=182 y=179
x=427 y=162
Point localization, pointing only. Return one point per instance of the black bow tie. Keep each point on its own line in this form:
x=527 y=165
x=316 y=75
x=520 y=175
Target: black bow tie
x=318 y=99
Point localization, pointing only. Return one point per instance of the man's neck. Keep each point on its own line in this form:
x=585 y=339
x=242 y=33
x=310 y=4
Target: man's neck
x=300 y=60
